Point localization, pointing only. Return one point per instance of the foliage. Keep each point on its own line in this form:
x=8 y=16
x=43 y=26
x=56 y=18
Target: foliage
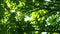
x=29 y=16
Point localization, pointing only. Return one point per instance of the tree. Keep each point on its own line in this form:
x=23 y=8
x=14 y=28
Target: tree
x=29 y=16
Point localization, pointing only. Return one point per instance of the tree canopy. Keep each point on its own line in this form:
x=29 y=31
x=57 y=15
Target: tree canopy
x=29 y=16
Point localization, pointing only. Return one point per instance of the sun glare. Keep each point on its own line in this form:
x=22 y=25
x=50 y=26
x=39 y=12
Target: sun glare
x=48 y=0
x=27 y=18
x=44 y=32
x=12 y=10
